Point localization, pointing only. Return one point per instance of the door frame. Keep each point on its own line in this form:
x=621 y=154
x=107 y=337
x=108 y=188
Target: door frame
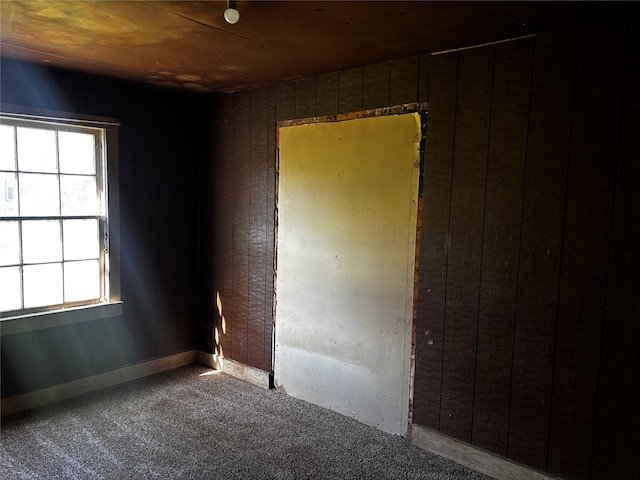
x=417 y=107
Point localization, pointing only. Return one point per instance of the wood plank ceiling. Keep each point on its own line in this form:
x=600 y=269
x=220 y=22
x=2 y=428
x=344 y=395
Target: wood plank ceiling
x=187 y=45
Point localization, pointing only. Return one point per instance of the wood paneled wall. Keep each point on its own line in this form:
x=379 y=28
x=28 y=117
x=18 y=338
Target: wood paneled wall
x=528 y=323
x=238 y=216
x=159 y=142
x=521 y=196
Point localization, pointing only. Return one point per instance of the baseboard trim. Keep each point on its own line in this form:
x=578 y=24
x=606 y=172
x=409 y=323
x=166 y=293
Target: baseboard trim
x=236 y=369
x=473 y=457
x=66 y=390
x=207 y=359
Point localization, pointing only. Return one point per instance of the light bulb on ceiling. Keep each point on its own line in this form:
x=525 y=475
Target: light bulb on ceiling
x=231 y=14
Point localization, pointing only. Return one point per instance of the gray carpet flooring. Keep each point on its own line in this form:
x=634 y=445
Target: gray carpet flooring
x=183 y=424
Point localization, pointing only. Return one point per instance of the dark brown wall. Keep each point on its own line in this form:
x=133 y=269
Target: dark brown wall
x=158 y=158
x=528 y=322
x=516 y=280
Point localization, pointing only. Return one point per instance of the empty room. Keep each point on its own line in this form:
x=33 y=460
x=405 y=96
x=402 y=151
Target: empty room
x=329 y=240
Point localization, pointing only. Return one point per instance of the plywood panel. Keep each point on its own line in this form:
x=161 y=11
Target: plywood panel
x=350 y=90
x=542 y=219
x=423 y=78
x=225 y=226
x=616 y=439
x=375 y=86
x=285 y=101
x=501 y=243
x=468 y=183
x=127 y=137
x=101 y=97
x=17 y=364
x=346 y=250
x=48 y=357
x=258 y=243
x=78 y=351
x=111 y=344
x=124 y=108
x=434 y=241
x=192 y=139
x=404 y=81
x=585 y=249
x=208 y=188
x=241 y=215
x=327 y=94
x=305 y=91
x=167 y=231
x=144 y=236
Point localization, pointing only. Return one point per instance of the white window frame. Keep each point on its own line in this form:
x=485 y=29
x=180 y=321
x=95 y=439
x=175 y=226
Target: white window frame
x=107 y=174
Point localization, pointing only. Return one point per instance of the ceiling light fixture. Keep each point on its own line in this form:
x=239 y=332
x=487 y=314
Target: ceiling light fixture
x=231 y=14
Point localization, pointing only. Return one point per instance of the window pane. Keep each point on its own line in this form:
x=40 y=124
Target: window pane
x=11 y=297
x=51 y=208
x=37 y=150
x=39 y=195
x=41 y=241
x=77 y=152
x=80 y=239
x=9 y=243
x=42 y=285
x=8 y=195
x=79 y=195
x=7 y=148
x=81 y=281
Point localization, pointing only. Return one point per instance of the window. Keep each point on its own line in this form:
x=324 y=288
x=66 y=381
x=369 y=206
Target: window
x=54 y=222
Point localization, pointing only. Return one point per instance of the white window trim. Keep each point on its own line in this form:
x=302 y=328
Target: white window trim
x=112 y=306
x=58 y=318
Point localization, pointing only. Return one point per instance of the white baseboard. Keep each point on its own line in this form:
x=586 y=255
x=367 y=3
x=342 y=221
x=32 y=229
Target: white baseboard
x=62 y=391
x=473 y=457
x=235 y=369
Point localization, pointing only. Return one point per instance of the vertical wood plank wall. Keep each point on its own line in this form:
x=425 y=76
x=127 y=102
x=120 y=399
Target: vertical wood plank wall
x=527 y=327
x=158 y=158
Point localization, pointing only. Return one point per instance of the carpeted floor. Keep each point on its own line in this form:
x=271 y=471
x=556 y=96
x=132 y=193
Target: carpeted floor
x=189 y=424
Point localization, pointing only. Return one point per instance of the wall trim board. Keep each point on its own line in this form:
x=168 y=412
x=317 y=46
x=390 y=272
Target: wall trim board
x=375 y=112
x=81 y=386
x=235 y=369
x=480 y=45
x=58 y=318
x=245 y=372
x=207 y=359
x=473 y=457
x=57 y=116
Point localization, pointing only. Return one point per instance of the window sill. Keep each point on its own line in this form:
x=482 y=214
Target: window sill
x=58 y=318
